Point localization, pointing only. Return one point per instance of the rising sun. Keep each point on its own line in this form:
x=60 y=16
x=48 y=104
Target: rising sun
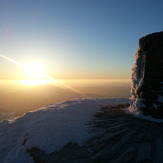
x=34 y=71
x=35 y=74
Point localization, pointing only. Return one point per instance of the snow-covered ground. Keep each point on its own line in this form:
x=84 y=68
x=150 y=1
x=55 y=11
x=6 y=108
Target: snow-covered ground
x=9 y=115
x=49 y=128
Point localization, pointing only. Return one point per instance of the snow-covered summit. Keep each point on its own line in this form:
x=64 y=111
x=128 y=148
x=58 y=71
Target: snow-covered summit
x=49 y=128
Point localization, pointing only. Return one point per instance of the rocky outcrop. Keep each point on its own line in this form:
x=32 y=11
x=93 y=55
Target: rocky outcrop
x=147 y=77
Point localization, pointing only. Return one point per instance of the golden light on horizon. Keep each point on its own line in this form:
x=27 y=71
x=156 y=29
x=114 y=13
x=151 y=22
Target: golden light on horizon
x=36 y=75
x=34 y=82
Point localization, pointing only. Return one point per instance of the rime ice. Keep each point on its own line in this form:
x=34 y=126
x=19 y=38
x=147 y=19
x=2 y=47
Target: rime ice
x=147 y=77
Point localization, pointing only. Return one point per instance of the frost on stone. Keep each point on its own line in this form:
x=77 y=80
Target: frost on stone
x=137 y=82
x=147 y=77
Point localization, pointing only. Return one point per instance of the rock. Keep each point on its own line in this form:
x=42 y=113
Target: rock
x=144 y=152
x=147 y=76
x=159 y=150
x=71 y=153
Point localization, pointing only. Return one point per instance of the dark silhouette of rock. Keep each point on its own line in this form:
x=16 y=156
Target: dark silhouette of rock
x=147 y=76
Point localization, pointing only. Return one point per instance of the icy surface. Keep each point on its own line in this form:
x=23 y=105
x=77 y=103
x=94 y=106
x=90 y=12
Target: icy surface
x=49 y=128
x=137 y=81
x=139 y=114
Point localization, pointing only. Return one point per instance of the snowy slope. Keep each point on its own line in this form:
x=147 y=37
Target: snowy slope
x=49 y=128
x=9 y=115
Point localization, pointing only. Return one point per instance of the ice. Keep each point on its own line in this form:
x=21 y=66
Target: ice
x=136 y=83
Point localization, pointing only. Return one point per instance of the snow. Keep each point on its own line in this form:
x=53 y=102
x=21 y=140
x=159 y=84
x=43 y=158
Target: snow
x=136 y=83
x=138 y=113
x=145 y=117
x=134 y=107
x=9 y=115
x=49 y=128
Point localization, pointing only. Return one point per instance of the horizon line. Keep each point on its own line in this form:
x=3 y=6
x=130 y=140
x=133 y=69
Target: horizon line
x=66 y=79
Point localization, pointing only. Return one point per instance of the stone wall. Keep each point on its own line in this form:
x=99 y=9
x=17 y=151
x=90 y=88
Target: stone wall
x=147 y=77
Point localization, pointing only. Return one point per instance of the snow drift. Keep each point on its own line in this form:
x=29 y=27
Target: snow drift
x=49 y=128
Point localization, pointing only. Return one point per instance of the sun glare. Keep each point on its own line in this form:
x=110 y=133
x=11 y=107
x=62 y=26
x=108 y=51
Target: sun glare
x=34 y=71
x=35 y=75
x=34 y=82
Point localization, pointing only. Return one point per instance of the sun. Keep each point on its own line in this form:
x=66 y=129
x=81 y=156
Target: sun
x=34 y=71
x=34 y=74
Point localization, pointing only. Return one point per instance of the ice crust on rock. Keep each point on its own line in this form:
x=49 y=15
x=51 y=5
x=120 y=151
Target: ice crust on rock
x=147 y=77
x=136 y=84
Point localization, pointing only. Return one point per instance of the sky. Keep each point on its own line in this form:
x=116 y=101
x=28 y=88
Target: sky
x=77 y=39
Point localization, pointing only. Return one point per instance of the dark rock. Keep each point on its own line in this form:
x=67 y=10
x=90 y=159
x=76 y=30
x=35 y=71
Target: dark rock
x=144 y=152
x=147 y=75
x=71 y=153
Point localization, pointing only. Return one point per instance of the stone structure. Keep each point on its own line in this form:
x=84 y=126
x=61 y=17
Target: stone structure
x=147 y=77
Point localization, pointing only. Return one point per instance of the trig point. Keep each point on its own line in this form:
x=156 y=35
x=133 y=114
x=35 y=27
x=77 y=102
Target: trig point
x=147 y=77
